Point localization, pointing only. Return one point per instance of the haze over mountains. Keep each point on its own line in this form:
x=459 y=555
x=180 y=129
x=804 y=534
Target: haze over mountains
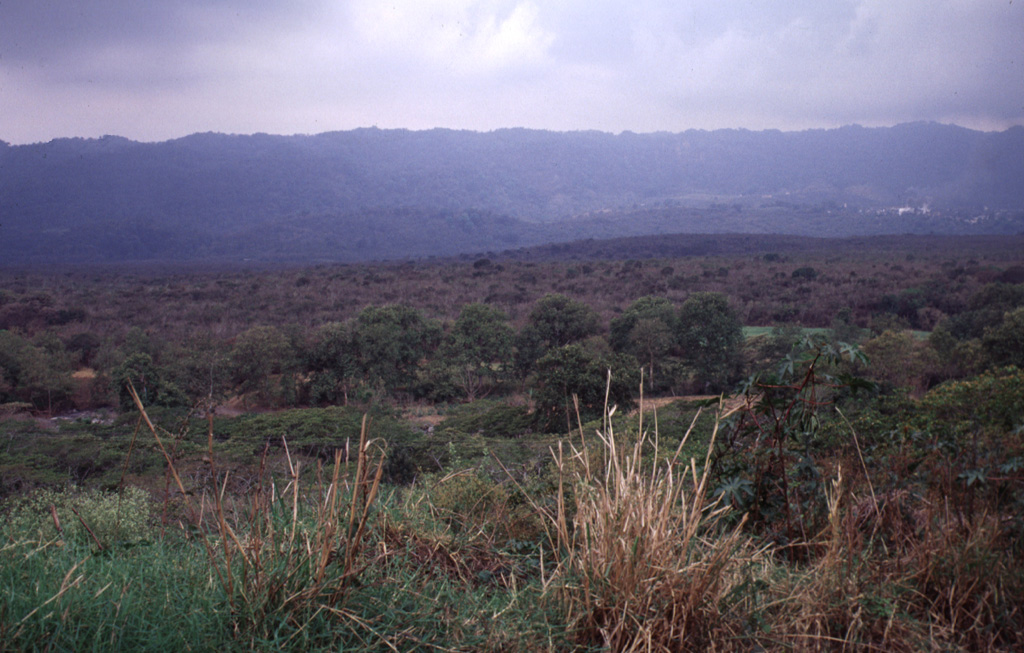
x=375 y=194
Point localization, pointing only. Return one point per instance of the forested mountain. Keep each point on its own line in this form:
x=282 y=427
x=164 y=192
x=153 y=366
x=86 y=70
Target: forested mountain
x=370 y=193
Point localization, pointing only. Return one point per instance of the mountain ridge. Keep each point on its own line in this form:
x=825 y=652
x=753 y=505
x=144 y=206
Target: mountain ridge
x=371 y=193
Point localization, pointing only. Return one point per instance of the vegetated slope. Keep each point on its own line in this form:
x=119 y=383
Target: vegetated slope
x=370 y=193
x=677 y=246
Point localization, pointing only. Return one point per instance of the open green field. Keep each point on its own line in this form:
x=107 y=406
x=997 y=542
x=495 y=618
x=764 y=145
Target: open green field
x=755 y=331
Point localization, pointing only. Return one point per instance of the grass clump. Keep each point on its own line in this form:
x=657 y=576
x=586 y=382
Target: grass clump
x=644 y=559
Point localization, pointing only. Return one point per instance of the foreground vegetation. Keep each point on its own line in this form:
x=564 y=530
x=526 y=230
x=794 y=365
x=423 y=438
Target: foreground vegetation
x=480 y=482
x=798 y=515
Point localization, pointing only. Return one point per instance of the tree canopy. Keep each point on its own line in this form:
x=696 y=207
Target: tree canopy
x=709 y=333
x=391 y=341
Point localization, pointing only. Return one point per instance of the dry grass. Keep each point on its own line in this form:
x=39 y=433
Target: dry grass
x=944 y=582
x=644 y=559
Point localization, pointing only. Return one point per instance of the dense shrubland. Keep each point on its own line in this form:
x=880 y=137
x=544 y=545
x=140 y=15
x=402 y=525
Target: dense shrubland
x=860 y=485
x=335 y=334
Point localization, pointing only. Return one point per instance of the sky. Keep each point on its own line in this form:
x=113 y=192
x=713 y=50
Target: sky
x=154 y=70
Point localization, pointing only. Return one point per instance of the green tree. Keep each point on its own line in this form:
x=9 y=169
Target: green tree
x=148 y=381
x=11 y=354
x=257 y=355
x=6 y=389
x=649 y=307
x=646 y=330
x=710 y=335
x=391 y=343
x=1004 y=343
x=137 y=341
x=651 y=340
x=581 y=371
x=985 y=309
x=84 y=345
x=560 y=320
x=844 y=329
x=39 y=372
x=555 y=321
x=901 y=360
x=200 y=366
x=806 y=273
x=333 y=363
x=477 y=348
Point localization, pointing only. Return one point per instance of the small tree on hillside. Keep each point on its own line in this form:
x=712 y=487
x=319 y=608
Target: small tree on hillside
x=650 y=307
x=391 y=342
x=477 y=348
x=555 y=321
x=710 y=335
x=199 y=366
x=259 y=353
x=38 y=372
x=646 y=330
x=142 y=373
x=333 y=362
x=901 y=360
x=580 y=371
x=1004 y=343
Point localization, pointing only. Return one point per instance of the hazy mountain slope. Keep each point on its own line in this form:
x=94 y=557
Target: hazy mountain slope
x=370 y=193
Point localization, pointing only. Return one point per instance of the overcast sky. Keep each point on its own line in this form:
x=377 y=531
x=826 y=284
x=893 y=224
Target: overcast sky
x=157 y=69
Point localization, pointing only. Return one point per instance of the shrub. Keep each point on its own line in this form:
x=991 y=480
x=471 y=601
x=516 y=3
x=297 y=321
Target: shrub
x=468 y=501
x=492 y=419
x=992 y=400
x=112 y=517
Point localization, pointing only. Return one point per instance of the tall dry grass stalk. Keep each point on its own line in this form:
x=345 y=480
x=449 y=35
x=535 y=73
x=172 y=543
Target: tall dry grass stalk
x=645 y=558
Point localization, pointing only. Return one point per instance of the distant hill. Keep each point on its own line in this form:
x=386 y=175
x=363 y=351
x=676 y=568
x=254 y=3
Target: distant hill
x=673 y=246
x=376 y=194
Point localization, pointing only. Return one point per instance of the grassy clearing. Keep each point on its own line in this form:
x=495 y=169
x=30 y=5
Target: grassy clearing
x=759 y=331
x=755 y=331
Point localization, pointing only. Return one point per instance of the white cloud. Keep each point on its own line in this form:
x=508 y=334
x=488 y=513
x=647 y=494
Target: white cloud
x=452 y=38
x=161 y=70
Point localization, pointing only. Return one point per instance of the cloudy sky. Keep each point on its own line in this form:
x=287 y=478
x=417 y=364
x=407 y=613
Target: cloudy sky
x=158 y=69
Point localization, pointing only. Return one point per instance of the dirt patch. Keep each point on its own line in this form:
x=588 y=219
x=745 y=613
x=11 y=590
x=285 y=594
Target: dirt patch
x=424 y=421
x=105 y=417
x=234 y=407
x=661 y=402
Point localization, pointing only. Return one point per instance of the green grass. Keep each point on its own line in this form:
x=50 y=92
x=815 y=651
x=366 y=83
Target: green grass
x=754 y=331
x=421 y=586
x=61 y=595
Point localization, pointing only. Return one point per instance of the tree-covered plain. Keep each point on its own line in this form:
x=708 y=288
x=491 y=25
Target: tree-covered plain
x=451 y=330
x=860 y=488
